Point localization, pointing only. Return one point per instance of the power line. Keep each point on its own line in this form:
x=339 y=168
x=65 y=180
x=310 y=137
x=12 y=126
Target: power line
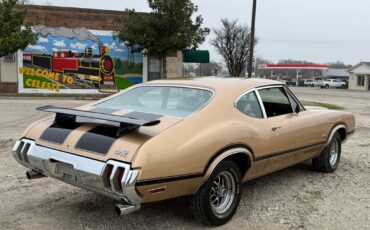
x=315 y=41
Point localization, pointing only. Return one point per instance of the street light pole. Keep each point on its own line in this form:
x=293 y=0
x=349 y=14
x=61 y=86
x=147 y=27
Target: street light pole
x=251 y=47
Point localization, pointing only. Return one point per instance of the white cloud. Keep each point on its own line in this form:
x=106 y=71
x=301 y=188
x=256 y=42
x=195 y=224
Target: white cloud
x=78 y=45
x=43 y=40
x=37 y=47
x=119 y=50
x=95 y=46
x=55 y=49
x=59 y=43
x=111 y=46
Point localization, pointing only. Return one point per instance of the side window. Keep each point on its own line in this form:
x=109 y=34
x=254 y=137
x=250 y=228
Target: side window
x=275 y=101
x=249 y=105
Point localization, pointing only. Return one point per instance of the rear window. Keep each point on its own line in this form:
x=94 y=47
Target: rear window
x=163 y=100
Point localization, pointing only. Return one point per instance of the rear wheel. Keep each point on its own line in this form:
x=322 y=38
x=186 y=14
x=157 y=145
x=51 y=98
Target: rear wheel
x=328 y=160
x=218 y=199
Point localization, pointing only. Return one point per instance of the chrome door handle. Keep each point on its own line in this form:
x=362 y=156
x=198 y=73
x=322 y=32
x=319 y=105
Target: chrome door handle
x=276 y=128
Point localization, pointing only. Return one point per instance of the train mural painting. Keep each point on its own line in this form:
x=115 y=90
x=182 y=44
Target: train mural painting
x=58 y=64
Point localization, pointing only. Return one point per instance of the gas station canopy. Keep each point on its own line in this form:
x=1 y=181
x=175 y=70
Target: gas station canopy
x=293 y=66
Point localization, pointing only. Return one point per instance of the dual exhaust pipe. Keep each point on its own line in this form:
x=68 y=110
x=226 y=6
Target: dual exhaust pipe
x=125 y=209
x=32 y=175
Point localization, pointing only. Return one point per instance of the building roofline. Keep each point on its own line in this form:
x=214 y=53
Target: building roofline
x=63 y=8
x=355 y=66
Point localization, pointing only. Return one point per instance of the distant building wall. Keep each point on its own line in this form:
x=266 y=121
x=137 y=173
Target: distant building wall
x=359 y=77
x=8 y=75
x=174 y=65
x=52 y=16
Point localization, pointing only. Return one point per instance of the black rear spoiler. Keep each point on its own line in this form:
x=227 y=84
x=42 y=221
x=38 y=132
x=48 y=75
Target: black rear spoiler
x=74 y=113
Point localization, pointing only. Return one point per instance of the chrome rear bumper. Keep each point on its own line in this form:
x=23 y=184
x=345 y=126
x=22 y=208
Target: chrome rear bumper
x=112 y=179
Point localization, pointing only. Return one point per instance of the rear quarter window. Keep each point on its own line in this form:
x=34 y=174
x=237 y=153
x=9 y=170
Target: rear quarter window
x=249 y=105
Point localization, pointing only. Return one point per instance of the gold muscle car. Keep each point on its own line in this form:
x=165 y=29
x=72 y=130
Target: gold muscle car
x=199 y=138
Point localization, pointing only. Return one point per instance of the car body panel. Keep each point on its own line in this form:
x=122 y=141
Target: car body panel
x=177 y=155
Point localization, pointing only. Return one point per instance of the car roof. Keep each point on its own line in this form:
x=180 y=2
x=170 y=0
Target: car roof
x=217 y=83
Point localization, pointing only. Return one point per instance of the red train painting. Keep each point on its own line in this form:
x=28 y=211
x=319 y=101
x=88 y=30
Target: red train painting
x=87 y=69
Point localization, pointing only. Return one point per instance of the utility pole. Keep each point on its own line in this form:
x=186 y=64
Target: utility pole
x=251 y=48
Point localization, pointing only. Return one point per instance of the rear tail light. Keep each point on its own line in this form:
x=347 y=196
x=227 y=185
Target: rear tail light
x=121 y=172
x=117 y=177
x=113 y=178
x=22 y=151
x=107 y=173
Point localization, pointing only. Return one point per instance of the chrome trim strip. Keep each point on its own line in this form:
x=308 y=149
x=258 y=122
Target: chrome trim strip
x=259 y=102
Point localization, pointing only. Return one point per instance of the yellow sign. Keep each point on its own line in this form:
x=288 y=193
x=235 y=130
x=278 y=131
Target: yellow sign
x=54 y=83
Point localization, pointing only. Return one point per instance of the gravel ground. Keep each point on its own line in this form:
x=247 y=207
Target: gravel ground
x=292 y=198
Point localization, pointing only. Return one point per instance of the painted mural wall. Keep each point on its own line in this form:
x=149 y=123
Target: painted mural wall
x=78 y=64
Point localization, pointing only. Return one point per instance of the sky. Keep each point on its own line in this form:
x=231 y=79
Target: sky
x=319 y=31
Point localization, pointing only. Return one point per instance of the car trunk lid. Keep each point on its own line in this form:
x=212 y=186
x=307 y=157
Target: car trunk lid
x=97 y=134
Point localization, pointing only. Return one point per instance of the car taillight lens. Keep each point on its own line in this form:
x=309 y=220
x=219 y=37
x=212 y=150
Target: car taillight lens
x=106 y=176
x=121 y=172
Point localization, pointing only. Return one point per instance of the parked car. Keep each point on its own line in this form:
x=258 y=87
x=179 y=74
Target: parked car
x=310 y=83
x=196 y=137
x=332 y=83
x=291 y=82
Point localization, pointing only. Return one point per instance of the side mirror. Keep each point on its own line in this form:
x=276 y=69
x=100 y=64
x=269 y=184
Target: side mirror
x=297 y=109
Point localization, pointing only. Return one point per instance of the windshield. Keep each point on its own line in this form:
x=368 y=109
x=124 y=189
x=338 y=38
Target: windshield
x=163 y=100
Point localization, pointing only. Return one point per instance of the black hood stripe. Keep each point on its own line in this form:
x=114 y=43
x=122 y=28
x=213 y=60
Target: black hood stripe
x=98 y=140
x=56 y=134
x=101 y=138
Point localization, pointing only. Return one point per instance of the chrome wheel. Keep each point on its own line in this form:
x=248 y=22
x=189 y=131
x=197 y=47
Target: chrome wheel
x=222 y=192
x=333 y=152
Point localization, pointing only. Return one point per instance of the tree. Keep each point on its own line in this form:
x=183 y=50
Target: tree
x=14 y=34
x=232 y=43
x=168 y=28
x=338 y=65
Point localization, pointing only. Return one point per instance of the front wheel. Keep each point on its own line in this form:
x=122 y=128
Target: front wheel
x=328 y=160
x=217 y=200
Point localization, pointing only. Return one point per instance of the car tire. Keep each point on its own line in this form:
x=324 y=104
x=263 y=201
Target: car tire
x=326 y=86
x=328 y=160
x=217 y=200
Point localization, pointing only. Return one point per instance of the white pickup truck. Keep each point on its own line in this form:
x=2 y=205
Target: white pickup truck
x=332 y=83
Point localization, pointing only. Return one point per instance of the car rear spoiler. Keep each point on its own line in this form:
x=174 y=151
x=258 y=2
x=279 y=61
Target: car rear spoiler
x=125 y=123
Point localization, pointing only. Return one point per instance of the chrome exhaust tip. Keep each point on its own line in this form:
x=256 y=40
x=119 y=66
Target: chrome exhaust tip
x=31 y=175
x=125 y=209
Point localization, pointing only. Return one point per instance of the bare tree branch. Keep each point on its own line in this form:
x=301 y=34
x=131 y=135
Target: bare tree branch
x=232 y=43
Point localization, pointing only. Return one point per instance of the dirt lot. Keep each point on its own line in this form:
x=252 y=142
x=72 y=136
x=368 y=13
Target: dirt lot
x=293 y=198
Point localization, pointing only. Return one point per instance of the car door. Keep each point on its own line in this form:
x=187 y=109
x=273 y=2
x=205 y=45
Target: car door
x=294 y=136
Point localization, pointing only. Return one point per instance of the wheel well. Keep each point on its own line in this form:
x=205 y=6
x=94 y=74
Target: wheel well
x=343 y=133
x=242 y=160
